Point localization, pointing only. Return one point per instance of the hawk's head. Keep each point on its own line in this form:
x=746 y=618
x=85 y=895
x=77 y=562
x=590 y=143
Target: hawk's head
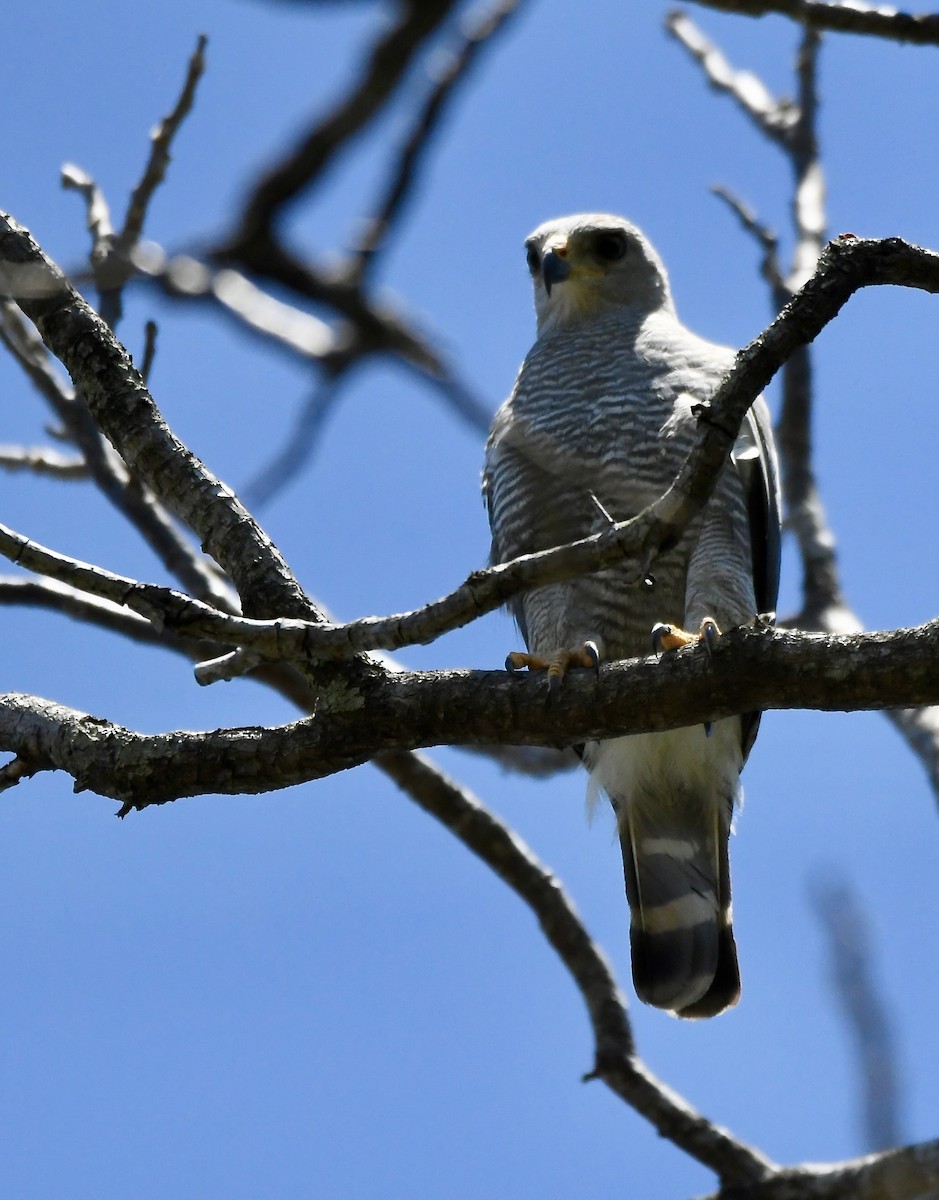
x=588 y=264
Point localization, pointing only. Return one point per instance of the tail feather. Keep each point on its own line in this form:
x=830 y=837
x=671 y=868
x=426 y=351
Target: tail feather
x=678 y=885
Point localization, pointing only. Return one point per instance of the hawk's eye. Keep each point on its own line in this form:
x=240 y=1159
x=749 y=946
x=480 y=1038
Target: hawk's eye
x=533 y=259
x=610 y=246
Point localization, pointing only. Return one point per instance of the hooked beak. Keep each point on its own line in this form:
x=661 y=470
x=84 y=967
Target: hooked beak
x=554 y=269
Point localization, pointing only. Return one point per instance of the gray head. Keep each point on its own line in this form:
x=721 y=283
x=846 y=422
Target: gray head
x=591 y=263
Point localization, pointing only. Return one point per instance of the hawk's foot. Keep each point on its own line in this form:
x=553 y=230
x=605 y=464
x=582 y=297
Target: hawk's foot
x=671 y=637
x=586 y=655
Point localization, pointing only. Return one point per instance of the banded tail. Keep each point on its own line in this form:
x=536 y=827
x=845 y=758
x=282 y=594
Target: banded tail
x=675 y=858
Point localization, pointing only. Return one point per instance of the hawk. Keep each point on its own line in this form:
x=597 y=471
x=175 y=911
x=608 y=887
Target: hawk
x=602 y=415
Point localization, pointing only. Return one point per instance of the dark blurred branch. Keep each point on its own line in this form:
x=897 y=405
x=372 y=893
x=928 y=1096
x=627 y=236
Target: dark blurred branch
x=389 y=60
x=300 y=444
x=855 y=17
x=864 y=1010
x=405 y=170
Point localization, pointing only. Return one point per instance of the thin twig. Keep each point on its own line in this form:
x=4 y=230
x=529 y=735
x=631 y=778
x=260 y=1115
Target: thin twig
x=149 y=351
x=161 y=141
x=772 y=117
x=765 y=238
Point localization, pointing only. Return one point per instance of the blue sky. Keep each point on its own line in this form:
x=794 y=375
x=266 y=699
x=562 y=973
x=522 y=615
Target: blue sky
x=318 y=992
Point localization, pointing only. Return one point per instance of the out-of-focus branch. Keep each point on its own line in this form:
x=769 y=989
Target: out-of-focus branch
x=920 y=728
x=389 y=60
x=864 y=1010
x=43 y=460
x=856 y=17
x=300 y=444
x=254 y=310
x=405 y=170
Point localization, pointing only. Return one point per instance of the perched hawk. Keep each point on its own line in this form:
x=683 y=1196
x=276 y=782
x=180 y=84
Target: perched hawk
x=599 y=421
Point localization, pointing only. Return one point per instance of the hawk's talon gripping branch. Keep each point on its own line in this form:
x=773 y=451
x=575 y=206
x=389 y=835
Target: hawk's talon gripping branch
x=558 y=664
x=671 y=637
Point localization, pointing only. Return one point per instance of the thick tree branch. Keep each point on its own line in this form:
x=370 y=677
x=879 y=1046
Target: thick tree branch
x=750 y=669
x=846 y=266
x=908 y=1174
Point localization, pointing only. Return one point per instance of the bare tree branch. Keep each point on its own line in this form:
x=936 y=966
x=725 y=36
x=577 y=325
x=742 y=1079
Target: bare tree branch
x=106 y=467
x=161 y=141
x=615 y=1063
x=856 y=17
x=363 y=715
x=772 y=117
x=124 y=410
x=149 y=351
x=824 y=606
x=908 y=1174
x=111 y=251
x=765 y=238
x=846 y=266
